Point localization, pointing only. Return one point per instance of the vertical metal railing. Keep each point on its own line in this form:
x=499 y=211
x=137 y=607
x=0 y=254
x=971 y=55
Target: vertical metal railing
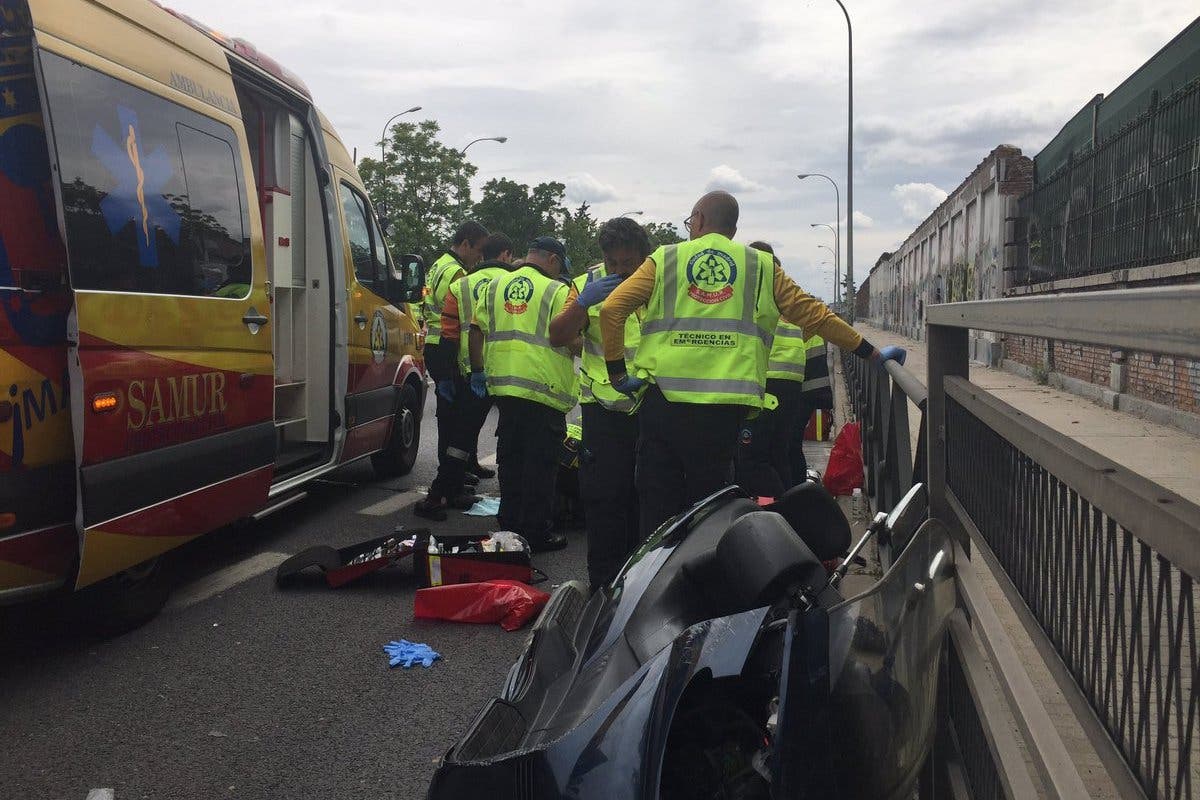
x=893 y=460
x=1099 y=563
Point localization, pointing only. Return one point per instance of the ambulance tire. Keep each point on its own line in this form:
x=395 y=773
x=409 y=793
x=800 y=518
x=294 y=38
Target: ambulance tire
x=131 y=598
x=400 y=455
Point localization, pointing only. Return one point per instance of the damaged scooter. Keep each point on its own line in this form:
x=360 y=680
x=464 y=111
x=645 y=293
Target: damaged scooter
x=725 y=662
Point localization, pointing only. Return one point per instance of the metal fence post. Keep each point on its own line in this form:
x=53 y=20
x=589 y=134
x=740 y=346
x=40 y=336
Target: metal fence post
x=1147 y=216
x=947 y=357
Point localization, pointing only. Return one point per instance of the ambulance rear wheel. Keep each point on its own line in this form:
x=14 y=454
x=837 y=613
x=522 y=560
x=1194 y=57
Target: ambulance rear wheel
x=130 y=598
x=400 y=455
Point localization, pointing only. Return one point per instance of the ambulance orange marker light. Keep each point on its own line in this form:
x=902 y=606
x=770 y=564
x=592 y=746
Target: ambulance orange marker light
x=7 y=520
x=104 y=402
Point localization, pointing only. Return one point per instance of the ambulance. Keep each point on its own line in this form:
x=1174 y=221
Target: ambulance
x=199 y=313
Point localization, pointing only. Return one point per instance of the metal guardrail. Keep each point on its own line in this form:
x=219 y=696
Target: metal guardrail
x=1099 y=563
x=977 y=754
x=880 y=400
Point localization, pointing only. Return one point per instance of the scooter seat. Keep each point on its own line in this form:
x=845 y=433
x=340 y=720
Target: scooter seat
x=816 y=517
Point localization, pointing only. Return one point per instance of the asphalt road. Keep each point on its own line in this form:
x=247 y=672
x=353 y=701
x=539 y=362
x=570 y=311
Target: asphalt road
x=239 y=689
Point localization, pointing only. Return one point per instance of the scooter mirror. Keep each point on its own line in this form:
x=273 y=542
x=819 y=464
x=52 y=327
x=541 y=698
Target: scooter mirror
x=873 y=529
x=907 y=516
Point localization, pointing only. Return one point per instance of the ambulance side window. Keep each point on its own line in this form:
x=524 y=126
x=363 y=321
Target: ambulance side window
x=363 y=247
x=152 y=192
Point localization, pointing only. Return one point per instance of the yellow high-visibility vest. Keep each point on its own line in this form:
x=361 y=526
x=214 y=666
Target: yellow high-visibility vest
x=709 y=323
x=594 y=385
x=444 y=271
x=520 y=361
x=469 y=291
x=788 y=353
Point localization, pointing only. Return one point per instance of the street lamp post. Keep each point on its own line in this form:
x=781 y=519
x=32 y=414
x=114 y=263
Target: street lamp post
x=383 y=148
x=837 y=247
x=849 y=160
x=500 y=139
x=383 y=138
x=838 y=199
x=833 y=281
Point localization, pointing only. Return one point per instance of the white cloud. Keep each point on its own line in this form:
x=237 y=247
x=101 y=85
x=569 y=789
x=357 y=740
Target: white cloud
x=583 y=187
x=917 y=199
x=727 y=178
x=862 y=220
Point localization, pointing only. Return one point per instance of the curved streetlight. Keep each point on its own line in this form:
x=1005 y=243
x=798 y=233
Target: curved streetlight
x=632 y=214
x=837 y=245
x=383 y=147
x=849 y=160
x=837 y=195
x=386 y=125
x=500 y=139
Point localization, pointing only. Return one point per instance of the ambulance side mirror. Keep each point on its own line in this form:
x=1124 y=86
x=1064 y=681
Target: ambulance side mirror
x=406 y=281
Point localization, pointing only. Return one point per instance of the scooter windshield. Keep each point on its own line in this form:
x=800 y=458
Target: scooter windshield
x=884 y=650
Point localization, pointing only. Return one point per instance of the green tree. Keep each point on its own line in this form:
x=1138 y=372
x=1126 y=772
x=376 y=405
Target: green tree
x=422 y=187
x=520 y=212
x=578 y=231
x=662 y=233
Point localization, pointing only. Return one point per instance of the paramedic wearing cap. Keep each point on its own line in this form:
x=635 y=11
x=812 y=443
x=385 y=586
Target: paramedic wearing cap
x=610 y=428
x=711 y=310
x=534 y=384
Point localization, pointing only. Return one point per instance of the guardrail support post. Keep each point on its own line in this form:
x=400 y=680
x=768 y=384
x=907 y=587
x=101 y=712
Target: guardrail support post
x=947 y=357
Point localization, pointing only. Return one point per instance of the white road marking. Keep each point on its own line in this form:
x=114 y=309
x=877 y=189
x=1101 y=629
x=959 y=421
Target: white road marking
x=223 y=579
x=390 y=505
x=101 y=794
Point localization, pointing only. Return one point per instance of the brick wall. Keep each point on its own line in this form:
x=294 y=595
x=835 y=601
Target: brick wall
x=1173 y=382
x=1085 y=362
x=1025 y=350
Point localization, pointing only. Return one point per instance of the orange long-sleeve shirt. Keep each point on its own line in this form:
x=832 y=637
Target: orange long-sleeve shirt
x=795 y=305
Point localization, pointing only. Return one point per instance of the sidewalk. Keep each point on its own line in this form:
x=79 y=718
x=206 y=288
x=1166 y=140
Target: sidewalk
x=1165 y=455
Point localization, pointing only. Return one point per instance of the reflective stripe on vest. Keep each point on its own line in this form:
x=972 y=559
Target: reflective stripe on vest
x=709 y=323
x=817 y=365
x=464 y=291
x=435 y=295
x=594 y=386
x=520 y=360
x=788 y=353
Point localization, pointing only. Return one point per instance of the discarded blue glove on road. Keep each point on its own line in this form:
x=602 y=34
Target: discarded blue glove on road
x=405 y=653
x=445 y=390
x=596 y=289
x=479 y=383
x=893 y=352
x=629 y=385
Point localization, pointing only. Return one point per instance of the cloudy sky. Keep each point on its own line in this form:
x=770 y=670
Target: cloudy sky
x=644 y=105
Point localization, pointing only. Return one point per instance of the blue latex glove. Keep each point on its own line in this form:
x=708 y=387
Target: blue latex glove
x=479 y=383
x=629 y=385
x=445 y=390
x=405 y=653
x=594 y=291
x=893 y=352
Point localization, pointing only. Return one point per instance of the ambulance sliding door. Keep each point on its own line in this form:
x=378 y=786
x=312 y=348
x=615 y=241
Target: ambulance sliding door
x=170 y=361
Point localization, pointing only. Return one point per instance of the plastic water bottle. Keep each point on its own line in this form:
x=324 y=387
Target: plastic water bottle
x=857 y=506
